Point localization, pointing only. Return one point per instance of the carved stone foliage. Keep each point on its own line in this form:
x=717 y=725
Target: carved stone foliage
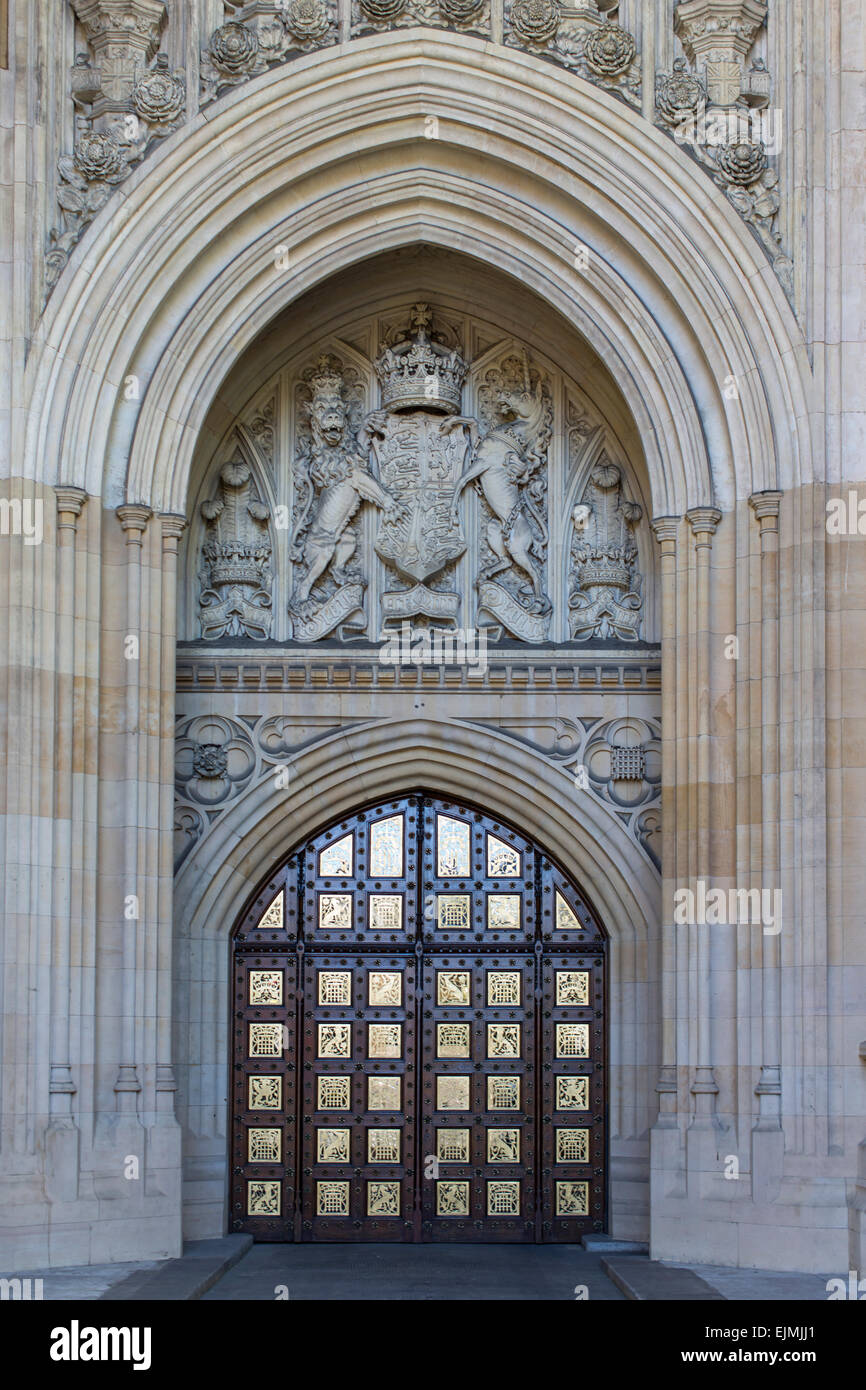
x=260 y=35
x=214 y=760
x=467 y=16
x=125 y=98
x=719 y=111
x=332 y=479
x=578 y=37
x=507 y=462
x=605 y=586
x=236 y=575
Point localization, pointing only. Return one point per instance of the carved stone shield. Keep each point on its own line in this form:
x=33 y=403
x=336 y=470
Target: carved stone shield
x=420 y=465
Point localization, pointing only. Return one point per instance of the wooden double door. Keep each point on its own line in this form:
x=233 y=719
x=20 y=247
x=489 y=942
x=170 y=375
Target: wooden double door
x=418 y=1000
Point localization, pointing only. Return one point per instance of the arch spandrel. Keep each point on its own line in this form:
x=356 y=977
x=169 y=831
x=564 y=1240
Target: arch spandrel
x=664 y=289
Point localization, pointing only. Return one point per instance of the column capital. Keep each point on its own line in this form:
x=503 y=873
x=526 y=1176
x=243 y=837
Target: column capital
x=703 y=521
x=173 y=525
x=133 y=517
x=70 y=500
x=766 y=506
x=666 y=528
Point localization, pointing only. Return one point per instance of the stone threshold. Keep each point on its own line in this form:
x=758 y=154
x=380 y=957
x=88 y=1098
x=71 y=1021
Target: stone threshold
x=201 y=1265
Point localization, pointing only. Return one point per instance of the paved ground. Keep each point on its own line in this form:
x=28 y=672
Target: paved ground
x=771 y=1284
x=85 y=1281
x=417 y=1272
x=234 y=1269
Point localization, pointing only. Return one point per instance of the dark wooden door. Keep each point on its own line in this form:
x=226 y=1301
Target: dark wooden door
x=419 y=1037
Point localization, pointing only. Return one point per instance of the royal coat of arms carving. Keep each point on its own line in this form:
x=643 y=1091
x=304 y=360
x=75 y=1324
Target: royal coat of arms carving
x=419 y=460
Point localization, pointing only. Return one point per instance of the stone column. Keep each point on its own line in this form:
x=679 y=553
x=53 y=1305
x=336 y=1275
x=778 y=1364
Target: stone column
x=666 y=528
x=703 y=521
x=133 y=518
x=62 y=1140
x=768 y=1140
x=172 y=528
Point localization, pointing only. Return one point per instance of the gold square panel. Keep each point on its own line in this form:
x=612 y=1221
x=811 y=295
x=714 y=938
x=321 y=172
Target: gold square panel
x=335 y=861
x=386 y=911
x=502 y=860
x=385 y=987
x=452 y=848
x=503 y=1198
x=452 y=1198
x=452 y=1039
x=384 y=1039
x=503 y=911
x=263 y=1198
x=266 y=986
x=266 y=1039
x=453 y=911
x=265 y=1145
x=383 y=1199
x=503 y=1093
x=383 y=1092
x=572 y=1093
x=572 y=1146
x=452 y=987
x=452 y=1145
x=503 y=1040
x=503 y=1146
x=335 y=1039
x=335 y=986
x=264 y=1093
x=334 y=1093
x=572 y=1199
x=332 y=1199
x=332 y=1146
x=572 y=1039
x=503 y=987
x=386 y=848
x=383 y=1145
x=335 y=911
x=452 y=1092
x=572 y=987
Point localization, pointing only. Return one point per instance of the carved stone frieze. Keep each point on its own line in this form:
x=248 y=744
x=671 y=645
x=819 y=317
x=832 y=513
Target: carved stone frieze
x=467 y=16
x=260 y=35
x=617 y=762
x=578 y=37
x=605 y=594
x=236 y=575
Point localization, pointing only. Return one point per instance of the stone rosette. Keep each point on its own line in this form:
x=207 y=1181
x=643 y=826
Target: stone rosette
x=458 y=11
x=159 y=97
x=742 y=163
x=382 y=11
x=535 y=21
x=99 y=157
x=610 y=51
x=678 y=95
x=306 y=20
x=234 y=48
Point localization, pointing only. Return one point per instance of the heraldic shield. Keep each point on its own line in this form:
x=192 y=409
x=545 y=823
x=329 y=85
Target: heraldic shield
x=419 y=464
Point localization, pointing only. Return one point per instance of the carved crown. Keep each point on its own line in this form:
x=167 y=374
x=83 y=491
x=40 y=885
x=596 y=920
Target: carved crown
x=420 y=372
